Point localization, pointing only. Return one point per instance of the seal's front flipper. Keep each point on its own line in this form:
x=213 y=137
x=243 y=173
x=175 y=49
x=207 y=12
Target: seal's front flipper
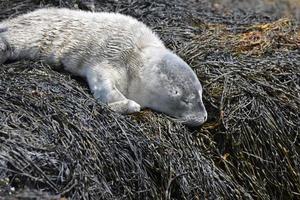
x=104 y=90
x=125 y=106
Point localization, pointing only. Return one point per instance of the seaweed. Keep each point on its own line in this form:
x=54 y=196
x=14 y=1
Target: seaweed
x=57 y=142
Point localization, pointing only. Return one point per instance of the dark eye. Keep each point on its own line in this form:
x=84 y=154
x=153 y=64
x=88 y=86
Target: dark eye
x=185 y=101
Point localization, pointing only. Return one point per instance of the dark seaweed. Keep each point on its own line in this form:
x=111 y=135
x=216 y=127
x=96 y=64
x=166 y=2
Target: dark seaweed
x=56 y=141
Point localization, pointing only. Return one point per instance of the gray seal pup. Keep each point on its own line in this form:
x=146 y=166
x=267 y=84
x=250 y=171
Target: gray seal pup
x=125 y=64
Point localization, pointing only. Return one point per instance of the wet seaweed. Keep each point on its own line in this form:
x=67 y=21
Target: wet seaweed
x=56 y=141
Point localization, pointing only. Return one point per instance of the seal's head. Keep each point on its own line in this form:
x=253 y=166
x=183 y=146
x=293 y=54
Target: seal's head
x=170 y=86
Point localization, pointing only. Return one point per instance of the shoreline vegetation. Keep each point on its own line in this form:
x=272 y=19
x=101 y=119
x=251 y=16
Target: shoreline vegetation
x=56 y=142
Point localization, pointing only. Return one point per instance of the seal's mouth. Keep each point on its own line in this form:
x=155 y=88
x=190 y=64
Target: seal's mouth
x=194 y=122
x=191 y=121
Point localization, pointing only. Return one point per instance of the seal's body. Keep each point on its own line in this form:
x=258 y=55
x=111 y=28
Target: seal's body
x=126 y=65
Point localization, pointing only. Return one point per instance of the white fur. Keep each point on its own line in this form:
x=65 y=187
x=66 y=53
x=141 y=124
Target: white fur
x=119 y=56
x=84 y=43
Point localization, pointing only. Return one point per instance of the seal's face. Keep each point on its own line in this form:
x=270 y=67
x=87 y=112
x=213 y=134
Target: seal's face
x=173 y=88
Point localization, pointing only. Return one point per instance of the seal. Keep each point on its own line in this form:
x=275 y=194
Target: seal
x=125 y=64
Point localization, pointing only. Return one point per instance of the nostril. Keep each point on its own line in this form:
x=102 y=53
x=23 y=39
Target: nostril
x=205 y=117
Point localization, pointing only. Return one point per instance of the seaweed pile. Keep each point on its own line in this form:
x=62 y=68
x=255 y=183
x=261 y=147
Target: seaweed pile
x=57 y=142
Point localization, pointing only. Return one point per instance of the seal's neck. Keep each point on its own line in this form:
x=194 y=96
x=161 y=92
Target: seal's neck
x=139 y=89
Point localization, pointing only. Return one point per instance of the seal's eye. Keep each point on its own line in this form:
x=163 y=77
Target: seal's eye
x=185 y=101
